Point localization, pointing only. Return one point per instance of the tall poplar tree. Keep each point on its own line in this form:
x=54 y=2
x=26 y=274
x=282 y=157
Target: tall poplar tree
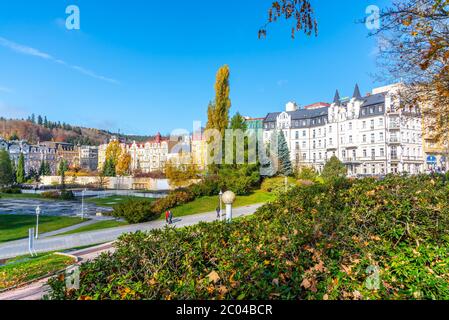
x=6 y=170
x=218 y=111
x=20 y=171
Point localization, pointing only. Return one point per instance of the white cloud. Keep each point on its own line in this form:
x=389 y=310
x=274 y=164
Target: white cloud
x=22 y=49
x=282 y=83
x=5 y=89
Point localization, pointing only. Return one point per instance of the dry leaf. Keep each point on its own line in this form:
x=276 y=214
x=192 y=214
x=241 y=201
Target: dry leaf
x=213 y=277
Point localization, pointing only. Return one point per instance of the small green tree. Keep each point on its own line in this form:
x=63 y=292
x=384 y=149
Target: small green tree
x=283 y=155
x=62 y=168
x=334 y=168
x=20 y=171
x=6 y=169
x=109 y=168
x=45 y=169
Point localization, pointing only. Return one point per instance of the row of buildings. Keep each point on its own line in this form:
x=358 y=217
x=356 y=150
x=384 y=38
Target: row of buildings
x=371 y=134
x=84 y=157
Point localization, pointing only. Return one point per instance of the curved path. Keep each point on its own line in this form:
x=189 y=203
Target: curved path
x=36 y=290
x=20 y=247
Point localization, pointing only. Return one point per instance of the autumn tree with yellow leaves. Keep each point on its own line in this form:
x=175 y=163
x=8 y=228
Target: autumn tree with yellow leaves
x=414 y=49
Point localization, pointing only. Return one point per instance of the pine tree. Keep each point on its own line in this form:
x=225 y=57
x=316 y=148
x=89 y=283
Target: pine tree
x=283 y=155
x=39 y=120
x=20 y=171
x=45 y=122
x=6 y=169
x=109 y=168
x=61 y=171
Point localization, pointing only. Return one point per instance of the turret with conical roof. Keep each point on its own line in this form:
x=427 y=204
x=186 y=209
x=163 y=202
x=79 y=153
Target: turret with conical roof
x=357 y=94
x=337 y=98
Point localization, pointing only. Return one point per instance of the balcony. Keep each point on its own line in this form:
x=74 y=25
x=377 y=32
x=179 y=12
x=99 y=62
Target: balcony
x=394 y=126
x=394 y=140
x=351 y=160
x=331 y=147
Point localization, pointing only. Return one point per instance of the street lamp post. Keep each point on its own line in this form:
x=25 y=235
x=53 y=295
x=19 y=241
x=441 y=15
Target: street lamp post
x=38 y=212
x=82 y=204
x=221 y=205
x=228 y=199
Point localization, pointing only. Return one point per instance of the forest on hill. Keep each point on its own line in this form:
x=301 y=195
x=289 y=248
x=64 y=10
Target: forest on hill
x=38 y=129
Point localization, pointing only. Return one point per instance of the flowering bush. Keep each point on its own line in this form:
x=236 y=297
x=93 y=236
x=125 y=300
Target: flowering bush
x=362 y=239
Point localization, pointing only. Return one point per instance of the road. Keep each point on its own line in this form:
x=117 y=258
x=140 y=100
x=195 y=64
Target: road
x=37 y=290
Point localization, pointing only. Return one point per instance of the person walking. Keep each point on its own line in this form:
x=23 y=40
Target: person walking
x=218 y=212
x=170 y=217
x=167 y=216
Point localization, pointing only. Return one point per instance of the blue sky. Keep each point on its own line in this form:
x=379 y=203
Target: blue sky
x=142 y=67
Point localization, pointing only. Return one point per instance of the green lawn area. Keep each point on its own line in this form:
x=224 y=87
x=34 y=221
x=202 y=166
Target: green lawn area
x=23 y=269
x=113 y=200
x=14 y=227
x=21 y=196
x=97 y=226
x=207 y=204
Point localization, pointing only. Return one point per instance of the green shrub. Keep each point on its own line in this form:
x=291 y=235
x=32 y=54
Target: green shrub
x=67 y=195
x=11 y=190
x=135 y=211
x=50 y=195
x=315 y=242
x=307 y=173
x=277 y=184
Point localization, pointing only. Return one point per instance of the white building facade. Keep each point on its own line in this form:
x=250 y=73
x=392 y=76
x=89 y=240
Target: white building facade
x=371 y=135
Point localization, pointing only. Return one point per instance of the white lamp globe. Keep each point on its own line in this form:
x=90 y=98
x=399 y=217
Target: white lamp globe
x=228 y=197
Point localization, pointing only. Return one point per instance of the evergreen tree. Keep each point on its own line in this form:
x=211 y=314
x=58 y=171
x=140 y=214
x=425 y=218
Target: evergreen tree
x=39 y=120
x=33 y=118
x=20 y=171
x=109 y=168
x=334 y=168
x=62 y=168
x=45 y=169
x=6 y=169
x=45 y=122
x=283 y=155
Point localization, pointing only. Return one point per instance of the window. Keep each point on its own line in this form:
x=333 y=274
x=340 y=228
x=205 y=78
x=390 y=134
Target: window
x=350 y=139
x=297 y=145
x=343 y=153
x=364 y=125
x=364 y=138
x=364 y=153
x=372 y=124
x=303 y=144
x=381 y=136
x=304 y=133
x=373 y=154
x=319 y=143
x=372 y=138
x=330 y=141
x=371 y=110
x=304 y=156
x=364 y=112
x=330 y=129
x=297 y=135
x=350 y=126
x=382 y=152
x=381 y=122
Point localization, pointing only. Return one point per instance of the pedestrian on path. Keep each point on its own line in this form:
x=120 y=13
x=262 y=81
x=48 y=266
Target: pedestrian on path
x=218 y=212
x=170 y=217
x=167 y=216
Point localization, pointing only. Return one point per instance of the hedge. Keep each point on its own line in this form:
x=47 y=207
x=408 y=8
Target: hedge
x=316 y=242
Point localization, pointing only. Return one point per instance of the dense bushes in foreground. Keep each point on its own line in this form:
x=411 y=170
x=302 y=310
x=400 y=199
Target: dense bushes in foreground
x=362 y=239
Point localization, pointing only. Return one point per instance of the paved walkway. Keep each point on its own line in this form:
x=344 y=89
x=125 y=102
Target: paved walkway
x=20 y=247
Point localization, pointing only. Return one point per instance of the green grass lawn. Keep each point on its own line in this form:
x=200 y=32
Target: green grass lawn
x=207 y=204
x=113 y=200
x=23 y=269
x=14 y=227
x=97 y=226
x=21 y=196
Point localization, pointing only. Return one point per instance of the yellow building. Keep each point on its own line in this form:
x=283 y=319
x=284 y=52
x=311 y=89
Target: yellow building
x=435 y=151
